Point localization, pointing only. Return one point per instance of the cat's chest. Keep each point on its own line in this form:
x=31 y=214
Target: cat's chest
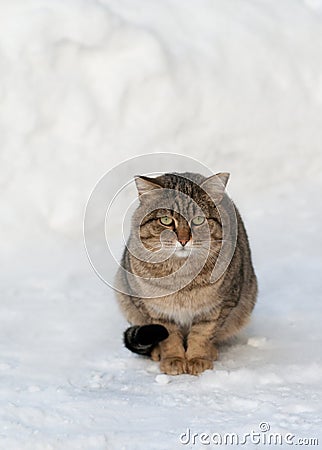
x=186 y=307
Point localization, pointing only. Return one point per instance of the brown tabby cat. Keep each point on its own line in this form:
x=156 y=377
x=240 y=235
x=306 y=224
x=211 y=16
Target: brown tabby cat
x=177 y=312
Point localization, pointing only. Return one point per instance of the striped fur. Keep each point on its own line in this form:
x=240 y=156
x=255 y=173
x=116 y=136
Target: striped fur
x=198 y=314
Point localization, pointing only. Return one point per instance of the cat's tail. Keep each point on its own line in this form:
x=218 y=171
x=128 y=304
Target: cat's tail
x=142 y=339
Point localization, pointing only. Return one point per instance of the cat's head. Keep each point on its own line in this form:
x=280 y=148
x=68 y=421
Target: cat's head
x=178 y=213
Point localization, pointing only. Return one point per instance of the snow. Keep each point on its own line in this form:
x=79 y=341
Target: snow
x=87 y=84
x=162 y=379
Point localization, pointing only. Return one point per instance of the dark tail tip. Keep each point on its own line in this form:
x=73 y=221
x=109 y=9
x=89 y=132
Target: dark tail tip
x=151 y=334
x=142 y=339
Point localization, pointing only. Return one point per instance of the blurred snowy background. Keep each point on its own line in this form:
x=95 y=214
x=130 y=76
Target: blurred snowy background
x=86 y=84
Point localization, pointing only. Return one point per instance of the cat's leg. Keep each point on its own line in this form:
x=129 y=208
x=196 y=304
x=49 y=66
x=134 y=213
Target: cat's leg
x=171 y=352
x=201 y=351
x=156 y=353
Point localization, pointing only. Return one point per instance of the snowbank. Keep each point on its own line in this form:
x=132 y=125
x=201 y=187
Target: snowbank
x=86 y=84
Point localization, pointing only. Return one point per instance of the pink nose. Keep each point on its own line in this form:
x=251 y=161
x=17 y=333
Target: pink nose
x=183 y=241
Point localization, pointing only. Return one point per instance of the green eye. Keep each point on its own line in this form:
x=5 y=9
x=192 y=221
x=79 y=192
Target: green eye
x=166 y=220
x=198 y=220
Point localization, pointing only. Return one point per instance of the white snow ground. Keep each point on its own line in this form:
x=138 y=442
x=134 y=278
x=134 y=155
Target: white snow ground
x=87 y=84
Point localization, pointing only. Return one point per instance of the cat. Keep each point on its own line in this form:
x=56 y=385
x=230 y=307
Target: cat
x=164 y=288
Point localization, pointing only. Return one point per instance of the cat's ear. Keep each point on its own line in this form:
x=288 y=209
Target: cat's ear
x=215 y=186
x=145 y=184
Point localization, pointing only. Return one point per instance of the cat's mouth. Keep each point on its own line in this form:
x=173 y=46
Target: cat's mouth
x=182 y=252
x=176 y=249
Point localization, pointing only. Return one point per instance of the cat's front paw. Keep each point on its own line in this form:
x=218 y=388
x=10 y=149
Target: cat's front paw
x=196 y=366
x=173 y=365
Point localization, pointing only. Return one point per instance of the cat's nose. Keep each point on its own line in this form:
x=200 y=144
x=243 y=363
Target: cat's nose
x=183 y=241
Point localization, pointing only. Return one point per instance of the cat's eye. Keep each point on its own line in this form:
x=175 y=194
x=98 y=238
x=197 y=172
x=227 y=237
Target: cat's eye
x=166 y=220
x=198 y=220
